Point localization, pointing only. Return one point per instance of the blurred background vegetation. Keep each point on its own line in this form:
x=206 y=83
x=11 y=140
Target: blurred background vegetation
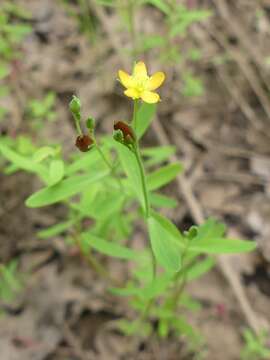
x=215 y=111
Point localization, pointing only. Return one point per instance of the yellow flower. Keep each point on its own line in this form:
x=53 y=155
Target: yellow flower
x=139 y=85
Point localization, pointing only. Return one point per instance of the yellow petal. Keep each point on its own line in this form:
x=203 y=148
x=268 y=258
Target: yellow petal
x=155 y=80
x=133 y=93
x=140 y=70
x=150 y=97
x=125 y=79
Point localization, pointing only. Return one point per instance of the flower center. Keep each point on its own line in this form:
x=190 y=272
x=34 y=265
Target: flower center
x=141 y=83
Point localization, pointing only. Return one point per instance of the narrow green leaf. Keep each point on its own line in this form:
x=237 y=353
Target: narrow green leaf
x=55 y=229
x=157 y=154
x=152 y=290
x=200 y=268
x=158 y=200
x=23 y=162
x=106 y=205
x=64 y=189
x=110 y=248
x=160 y=4
x=189 y=303
x=102 y=206
x=210 y=229
x=129 y=290
x=157 y=287
x=171 y=228
x=166 y=246
x=186 y=18
x=56 y=172
x=163 y=328
x=84 y=161
x=145 y=116
x=210 y=240
x=222 y=246
x=42 y=153
x=163 y=176
x=183 y=327
x=130 y=166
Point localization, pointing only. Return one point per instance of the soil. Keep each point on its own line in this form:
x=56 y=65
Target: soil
x=222 y=138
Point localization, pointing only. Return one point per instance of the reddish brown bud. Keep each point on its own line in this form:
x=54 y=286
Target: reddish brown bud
x=127 y=131
x=84 y=142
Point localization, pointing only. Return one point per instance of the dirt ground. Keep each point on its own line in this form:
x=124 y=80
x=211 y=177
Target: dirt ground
x=222 y=138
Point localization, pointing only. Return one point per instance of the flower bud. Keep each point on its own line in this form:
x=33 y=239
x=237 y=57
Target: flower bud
x=192 y=232
x=118 y=136
x=75 y=106
x=127 y=131
x=84 y=142
x=90 y=123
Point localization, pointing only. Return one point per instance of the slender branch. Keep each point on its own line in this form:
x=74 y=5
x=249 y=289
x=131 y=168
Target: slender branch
x=110 y=166
x=138 y=156
x=143 y=179
x=146 y=200
x=92 y=262
x=180 y=279
x=78 y=126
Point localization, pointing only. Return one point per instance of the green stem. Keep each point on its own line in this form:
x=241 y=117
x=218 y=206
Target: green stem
x=92 y=262
x=78 y=127
x=77 y=119
x=103 y=156
x=143 y=179
x=180 y=281
x=110 y=166
x=178 y=292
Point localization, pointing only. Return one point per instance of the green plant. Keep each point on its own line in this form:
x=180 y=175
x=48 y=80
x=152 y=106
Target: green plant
x=13 y=30
x=255 y=346
x=39 y=111
x=10 y=281
x=116 y=184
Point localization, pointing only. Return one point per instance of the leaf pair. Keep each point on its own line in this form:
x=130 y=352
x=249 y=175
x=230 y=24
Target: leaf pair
x=168 y=243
